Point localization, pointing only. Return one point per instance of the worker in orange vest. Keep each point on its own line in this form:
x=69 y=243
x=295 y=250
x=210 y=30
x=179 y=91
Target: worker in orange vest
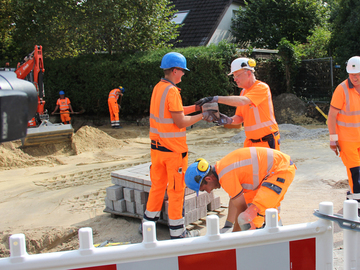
x=256 y=179
x=254 y=106
x=344 y=125
x=114 y=106
x=169 y=151
x=64 y=104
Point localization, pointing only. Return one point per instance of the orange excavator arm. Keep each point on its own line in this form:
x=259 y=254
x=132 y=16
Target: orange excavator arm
x=33 y=67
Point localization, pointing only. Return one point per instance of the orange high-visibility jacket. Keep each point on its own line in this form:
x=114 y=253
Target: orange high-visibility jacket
x=259 y=119
x=347 y=100
x=245 y=169
x=113 y=93
x=63 y=104
x=165 y=98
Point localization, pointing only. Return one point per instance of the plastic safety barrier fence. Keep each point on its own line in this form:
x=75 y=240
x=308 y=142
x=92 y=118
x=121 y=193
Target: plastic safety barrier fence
x=304 y=246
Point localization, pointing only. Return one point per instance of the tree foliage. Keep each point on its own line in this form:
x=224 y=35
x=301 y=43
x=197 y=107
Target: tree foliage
x=345 y=38
x=69 y=27
x=263 y=23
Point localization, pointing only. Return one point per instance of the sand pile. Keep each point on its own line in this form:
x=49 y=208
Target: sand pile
x=12 y=157
x=91 y=139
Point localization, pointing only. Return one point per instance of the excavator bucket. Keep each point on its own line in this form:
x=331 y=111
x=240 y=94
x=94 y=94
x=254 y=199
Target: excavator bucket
x=48 y=133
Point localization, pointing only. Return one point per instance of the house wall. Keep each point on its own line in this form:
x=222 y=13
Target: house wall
x=223 y=30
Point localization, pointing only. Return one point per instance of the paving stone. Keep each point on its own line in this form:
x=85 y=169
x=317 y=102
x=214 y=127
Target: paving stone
x=120 y=205
x=140 y=208
x=130 y=207
x=129 y=194
x=109 y=203
x=140 y=196
x=115 y=192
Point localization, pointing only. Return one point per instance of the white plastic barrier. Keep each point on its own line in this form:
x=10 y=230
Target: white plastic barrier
x=304 y=246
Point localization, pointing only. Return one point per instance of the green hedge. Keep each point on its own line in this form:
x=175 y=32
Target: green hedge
x=87 y=80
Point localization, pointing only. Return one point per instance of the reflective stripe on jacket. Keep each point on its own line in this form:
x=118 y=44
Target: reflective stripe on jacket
x=63 y=104
x=259 y=119
x=165 y=98
x=113 y=94
x=348 y=119
x=246 y=168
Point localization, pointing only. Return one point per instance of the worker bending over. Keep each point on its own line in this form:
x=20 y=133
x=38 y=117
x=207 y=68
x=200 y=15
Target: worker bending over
x=114 y=106
x=64 y=104
x=256 y=179
x=344 y=125
x=254 y=106
x=169 y=151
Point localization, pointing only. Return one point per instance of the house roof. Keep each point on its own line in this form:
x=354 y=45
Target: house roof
x=202 y=20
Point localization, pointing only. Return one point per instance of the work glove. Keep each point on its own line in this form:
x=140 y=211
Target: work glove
x=245 y=218
x=209 y=116
x=225 y=120
x=202 y=101
x=228 y=227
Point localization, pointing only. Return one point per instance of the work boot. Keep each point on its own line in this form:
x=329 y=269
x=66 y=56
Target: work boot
x=117 y=126
x=188 y=234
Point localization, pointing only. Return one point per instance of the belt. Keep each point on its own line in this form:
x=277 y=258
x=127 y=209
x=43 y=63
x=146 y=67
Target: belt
x=155 y=145
x=266 y=138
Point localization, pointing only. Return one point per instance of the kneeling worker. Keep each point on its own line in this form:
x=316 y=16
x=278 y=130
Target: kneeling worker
x=255 y=178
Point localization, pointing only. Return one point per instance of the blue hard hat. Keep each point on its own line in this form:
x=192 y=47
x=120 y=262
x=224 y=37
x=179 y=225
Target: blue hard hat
x=195 y=173
x=61 y=93
x=122 y=89
x=173 y=59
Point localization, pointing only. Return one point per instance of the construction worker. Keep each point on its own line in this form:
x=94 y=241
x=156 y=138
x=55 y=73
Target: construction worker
x=256 y=179
x=344 y=125
x=254 y=106
x=114 y=106
x=169 y=151
x=64 y=104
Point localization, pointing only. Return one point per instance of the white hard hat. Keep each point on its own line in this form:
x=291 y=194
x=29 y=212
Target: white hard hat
x=241 y=63
x=353 y=65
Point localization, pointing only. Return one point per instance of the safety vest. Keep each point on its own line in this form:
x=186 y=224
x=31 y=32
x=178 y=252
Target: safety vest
x=259 y=121
x=113 y=94
x=162 y=126
x=246 y=168
x=348 y=119
x=63 y=104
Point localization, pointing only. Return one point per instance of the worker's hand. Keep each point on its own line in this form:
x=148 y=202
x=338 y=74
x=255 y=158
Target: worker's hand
x=52 y=113
x=228 y=227
x=198 y=108
x=225 y=120
x=202 y=101
x=209 y=116
x=245 y=218
x=334 y=145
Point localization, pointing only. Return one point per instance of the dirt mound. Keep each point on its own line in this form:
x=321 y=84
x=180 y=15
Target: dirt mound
x=89 y=139
x=11 y=157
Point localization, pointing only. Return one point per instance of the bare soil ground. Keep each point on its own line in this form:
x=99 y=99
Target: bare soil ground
x=51 y=191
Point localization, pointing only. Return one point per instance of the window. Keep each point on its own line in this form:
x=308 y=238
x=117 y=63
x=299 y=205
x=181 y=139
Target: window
x=180 y=16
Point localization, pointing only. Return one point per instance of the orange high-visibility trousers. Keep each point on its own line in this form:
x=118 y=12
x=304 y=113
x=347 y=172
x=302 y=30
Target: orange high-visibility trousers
x=267 y=197
x=167 y=171
x=65 y=117
x=350 y=156
x=114 y=111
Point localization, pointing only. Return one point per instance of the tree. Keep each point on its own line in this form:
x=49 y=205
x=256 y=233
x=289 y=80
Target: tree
x=345 y=36
x=263 y=23
x=123 y=25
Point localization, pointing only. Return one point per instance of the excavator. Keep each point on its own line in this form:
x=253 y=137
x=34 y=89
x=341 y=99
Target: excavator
x=40 y=129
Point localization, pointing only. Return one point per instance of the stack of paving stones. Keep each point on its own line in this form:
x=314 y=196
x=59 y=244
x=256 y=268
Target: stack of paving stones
x=130 y=190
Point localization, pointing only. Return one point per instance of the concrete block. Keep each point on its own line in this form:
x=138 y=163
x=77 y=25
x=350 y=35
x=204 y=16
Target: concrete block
x=190 y=203
x=109 y=203
x=140 y=197
x=130 y=207
x=201 y=199
x=214 y=204
x=202 y=211
x=188 y=218
x=140 y=208
x=114 y=193
x=129 y=194
x=120 y=205
x=147 y=188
